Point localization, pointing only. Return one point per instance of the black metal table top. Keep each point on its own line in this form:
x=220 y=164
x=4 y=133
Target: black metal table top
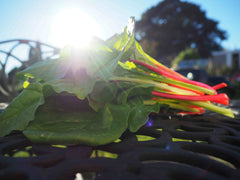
x=168 y=147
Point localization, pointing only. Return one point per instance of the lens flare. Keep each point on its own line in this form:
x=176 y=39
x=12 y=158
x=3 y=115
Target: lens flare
x=72 y=27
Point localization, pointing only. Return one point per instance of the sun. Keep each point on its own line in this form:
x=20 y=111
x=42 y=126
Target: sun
x=74 y=28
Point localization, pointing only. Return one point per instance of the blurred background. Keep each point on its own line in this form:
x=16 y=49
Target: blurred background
x=198 y=38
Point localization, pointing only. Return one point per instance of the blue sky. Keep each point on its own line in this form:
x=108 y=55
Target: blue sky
x=33 y=19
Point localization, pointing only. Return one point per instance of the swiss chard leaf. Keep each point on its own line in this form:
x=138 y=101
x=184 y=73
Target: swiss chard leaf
x=22 y=109
x=104 y=92
x=46 y=70
x=139 y=113
x=56 y=126
x=118 y=41
x=80 y=87
x=102 y=60
x=133 y=89
x=124 y=43
x=133 y=95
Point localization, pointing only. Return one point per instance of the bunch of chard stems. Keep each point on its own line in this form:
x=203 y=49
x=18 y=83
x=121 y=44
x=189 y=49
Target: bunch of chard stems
x=178 y=92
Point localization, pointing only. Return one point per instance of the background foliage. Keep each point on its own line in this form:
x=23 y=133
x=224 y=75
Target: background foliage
x=170 y=27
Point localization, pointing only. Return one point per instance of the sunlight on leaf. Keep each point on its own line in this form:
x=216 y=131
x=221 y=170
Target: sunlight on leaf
x=144 y=138
x=99 y=153
x=21 y=154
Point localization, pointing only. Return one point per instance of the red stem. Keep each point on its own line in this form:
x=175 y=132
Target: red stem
x=218 y=98
x=219 y=86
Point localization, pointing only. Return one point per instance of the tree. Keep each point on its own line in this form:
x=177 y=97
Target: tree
x=175 y=25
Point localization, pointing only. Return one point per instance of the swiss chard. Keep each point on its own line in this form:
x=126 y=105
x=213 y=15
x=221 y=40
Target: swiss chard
x=93 y=95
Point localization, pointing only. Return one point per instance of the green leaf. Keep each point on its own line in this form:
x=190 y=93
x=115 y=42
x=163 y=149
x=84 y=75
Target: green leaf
x=102 y=65
x=118 y=41
x=81 y=87
x=133 y=89
x=139 y=113
x=142 y=56
x=103 y=60
x=125 y=42
x=47 y=90
x=46 y=70
x=56 y=126
x=100 y=60
x=104 y=91
x=21 y=110
x=95 y=105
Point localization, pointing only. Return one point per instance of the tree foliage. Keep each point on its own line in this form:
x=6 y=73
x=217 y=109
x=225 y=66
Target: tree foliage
x=173 y=25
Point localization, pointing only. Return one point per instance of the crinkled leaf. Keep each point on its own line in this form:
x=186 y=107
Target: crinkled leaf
x=22 y=109
x=54 y=125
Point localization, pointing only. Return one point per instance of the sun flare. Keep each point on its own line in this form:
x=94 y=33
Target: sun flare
x=74 y=28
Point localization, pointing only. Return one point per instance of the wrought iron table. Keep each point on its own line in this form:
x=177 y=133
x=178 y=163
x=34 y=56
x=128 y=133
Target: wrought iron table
x=168 y=147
